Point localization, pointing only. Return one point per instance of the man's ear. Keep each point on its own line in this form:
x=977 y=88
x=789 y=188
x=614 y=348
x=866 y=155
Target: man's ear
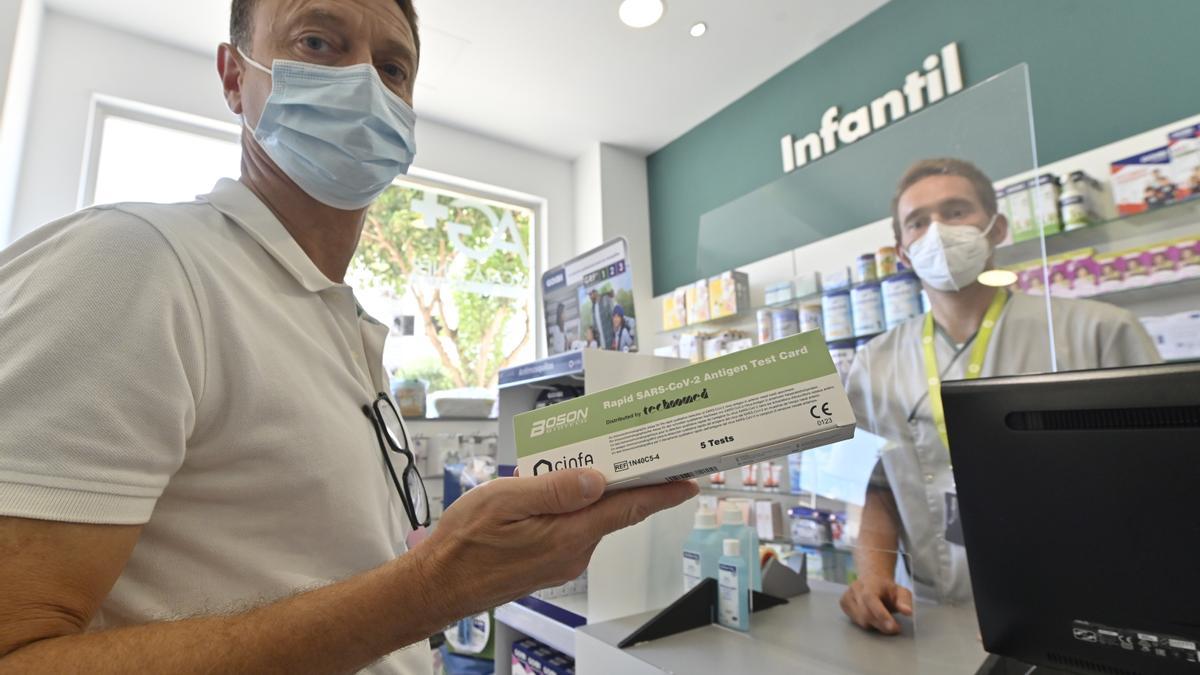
x=1000 y=230
x=230 y=70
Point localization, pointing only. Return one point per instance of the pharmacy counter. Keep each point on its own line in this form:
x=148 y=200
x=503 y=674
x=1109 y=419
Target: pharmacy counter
x=808 y=635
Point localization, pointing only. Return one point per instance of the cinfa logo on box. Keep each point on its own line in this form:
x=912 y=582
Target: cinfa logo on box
x=559 y=422
x=578 y=462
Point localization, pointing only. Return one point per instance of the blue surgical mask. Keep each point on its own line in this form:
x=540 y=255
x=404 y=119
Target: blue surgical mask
x=338 y=133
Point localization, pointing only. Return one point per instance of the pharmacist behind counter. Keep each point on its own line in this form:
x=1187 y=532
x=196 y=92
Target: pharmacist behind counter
x=946 y=223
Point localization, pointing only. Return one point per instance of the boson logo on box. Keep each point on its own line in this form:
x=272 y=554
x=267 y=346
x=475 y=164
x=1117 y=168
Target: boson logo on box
x=558 y=422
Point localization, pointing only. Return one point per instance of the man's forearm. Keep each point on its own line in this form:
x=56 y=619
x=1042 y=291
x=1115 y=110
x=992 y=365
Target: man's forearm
x=878 y=535
x=340 y=628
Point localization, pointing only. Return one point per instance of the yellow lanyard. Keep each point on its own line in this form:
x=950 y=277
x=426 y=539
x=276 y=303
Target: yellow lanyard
x=974 y=366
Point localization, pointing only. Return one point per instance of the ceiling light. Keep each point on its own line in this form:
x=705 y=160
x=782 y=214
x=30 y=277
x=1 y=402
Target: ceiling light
x=699 y=28
x=998 y=278
x=641 y=13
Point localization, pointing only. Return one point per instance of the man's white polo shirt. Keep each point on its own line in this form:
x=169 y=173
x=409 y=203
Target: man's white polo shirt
x=188 y=367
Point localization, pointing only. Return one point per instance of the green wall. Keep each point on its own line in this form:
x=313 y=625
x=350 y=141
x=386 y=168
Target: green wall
x=1100 y=70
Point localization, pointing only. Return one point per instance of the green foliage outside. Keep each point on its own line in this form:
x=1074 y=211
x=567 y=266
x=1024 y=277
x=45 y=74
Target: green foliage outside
x=429 y=370
x=469 y=330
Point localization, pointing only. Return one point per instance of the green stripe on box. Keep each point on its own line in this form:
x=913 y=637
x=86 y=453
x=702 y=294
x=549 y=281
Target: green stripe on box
x=700 y=377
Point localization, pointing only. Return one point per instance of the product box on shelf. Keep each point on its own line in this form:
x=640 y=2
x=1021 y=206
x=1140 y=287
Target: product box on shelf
x=1022 y=219
x=714 y=346
x=1184 y=148
x=806 y=285
x=1164 y=263
x=768 y=519
x=742 y=408
x=1084 y=273
x=835 y=279
x=691 y=347
x=1137 y=268
x=778 y=293
x=1060 y=277
x=784 y=322
x=520 y=656
x=696 y=299
x=538 y=657
x=1022 y=272
x=1189 y=257
x=728 y=294
x=1112 y=272
x=1029 y=278
x=674 y=308
x=1140 y=182
x=1046 y=218
x=558 y=665
x=1080 y=201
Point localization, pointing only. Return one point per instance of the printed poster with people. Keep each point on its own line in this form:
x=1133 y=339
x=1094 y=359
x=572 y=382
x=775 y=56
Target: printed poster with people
x=588 y=302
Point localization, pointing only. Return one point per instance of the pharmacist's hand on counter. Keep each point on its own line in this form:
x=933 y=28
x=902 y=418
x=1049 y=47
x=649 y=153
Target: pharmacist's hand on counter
x=870 y=602
x=512 y=536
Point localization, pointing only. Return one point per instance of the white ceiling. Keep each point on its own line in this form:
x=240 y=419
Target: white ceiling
x=558 y=75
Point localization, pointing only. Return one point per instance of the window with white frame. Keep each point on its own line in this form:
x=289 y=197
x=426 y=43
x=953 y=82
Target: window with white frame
x=453 y=276
x=141 y=153
x=450 y=271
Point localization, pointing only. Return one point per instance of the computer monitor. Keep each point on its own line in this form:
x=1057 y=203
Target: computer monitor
x=1079 y=499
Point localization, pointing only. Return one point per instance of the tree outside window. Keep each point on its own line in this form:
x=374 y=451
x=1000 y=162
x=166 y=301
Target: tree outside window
x=452 y=275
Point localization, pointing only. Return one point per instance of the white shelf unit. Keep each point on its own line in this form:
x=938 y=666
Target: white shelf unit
x=434 y=483
x=632 y=571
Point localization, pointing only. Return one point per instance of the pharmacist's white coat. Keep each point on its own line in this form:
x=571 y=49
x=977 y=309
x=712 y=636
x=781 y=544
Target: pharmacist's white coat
x=888 y=390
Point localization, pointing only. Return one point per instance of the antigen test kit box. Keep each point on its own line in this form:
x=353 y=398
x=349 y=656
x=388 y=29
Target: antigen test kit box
x=747 y=407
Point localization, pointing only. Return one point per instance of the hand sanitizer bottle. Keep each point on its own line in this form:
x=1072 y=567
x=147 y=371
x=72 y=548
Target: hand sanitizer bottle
x=733 y=596
x=733 y=526
x=701 y=550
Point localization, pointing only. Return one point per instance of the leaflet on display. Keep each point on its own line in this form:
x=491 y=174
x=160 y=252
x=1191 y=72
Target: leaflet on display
x=747 y=407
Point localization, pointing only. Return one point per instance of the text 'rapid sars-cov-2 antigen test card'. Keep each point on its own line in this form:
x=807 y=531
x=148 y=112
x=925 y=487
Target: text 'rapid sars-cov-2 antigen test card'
x=750 y=406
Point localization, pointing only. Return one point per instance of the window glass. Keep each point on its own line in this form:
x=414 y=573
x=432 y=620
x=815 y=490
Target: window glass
x=144 y=162
x=451 y=275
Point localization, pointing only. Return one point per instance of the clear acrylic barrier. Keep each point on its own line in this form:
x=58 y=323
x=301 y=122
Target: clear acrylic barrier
x=829 y=213
x=1057 y=311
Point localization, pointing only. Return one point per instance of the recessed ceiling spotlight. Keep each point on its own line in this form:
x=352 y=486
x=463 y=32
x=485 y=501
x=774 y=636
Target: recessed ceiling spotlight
x=641 y=13
x=699 y=28
x=998 y=278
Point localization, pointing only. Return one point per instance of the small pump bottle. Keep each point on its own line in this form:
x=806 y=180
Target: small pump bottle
x=733 y=596
x=701 y=550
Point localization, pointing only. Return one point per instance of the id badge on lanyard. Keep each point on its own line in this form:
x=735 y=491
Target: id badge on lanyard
x=953 y=524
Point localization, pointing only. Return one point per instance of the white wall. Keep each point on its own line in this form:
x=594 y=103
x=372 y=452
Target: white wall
x=612 y=200
x=626 y=211
x=10 y=10
x=589 y=200
x=78 y=58
x=20 y=34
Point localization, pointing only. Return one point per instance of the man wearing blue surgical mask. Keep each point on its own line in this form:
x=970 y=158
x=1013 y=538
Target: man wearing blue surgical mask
x=947 y=227
x=201 y=468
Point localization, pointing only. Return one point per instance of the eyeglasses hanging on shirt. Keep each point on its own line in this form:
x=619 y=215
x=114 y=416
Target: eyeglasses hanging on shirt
x=393 y=438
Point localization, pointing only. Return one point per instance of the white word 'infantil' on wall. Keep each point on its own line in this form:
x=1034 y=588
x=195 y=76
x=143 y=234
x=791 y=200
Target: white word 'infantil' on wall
x=942 y=77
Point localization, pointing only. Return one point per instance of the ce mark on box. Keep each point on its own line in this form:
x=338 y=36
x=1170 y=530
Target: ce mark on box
x=821 y=413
